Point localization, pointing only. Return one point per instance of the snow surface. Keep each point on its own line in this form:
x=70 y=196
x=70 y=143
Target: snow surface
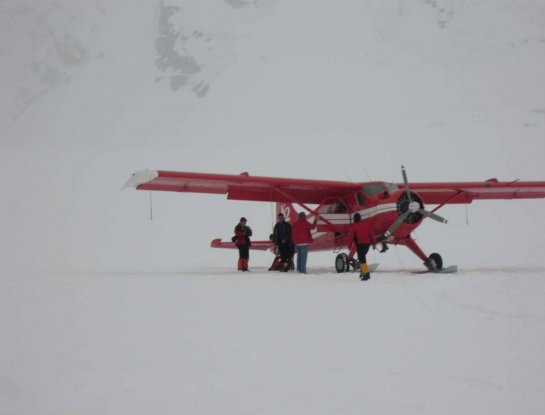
x=103 y=310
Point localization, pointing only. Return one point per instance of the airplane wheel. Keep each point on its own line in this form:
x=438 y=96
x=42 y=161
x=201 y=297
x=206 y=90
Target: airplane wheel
x=341 y=263
x=437 y=259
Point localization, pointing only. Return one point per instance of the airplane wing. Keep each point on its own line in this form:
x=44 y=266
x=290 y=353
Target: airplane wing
x=242 y=187
x=466 y=192
x=256 y=245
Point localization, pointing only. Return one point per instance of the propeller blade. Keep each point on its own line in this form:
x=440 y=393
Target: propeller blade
x=432 y=216
x=393 y=227
x=406 y=181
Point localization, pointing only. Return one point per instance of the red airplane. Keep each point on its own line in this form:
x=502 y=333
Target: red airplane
x=393 y=210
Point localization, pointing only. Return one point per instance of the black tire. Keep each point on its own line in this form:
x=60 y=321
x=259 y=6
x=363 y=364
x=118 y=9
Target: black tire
x=341 y=263
x=437 y=259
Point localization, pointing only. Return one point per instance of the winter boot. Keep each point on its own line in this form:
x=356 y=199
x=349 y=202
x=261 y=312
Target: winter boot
x=240 y=264
x=245 y=265
x=364 y=274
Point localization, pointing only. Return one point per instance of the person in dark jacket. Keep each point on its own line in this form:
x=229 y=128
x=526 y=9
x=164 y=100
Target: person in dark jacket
x=362 y=236
x=302 y=238
x=282 y=239
x=243 y=243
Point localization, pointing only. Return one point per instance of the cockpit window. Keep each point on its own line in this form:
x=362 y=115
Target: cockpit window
x=360 y=197
x=372 y=189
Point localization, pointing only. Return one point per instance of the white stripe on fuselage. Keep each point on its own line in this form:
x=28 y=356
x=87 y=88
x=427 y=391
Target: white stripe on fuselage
x=344 y=218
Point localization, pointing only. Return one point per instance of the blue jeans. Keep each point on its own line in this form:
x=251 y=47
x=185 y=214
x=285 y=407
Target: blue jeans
x=302 y=253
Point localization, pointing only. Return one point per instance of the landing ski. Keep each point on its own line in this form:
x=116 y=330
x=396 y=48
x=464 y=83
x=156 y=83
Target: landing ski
x=449 y=270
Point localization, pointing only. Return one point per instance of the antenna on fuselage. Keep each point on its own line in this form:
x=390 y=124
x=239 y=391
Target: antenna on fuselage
x=150 y=207
x=272 y=212
x=367 y=173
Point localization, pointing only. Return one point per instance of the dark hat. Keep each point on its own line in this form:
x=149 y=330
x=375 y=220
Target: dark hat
x=357 y=217
x=302 y=214
x=243 y=219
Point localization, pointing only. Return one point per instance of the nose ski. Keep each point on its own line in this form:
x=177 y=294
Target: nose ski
x=448 y=270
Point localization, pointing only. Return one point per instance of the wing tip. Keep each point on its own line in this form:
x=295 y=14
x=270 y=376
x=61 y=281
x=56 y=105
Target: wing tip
x=140 y=177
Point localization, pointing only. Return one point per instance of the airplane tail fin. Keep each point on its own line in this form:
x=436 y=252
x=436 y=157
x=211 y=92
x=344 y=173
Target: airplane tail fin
x=289 y=211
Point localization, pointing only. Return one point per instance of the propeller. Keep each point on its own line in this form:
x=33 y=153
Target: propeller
x=413 y=207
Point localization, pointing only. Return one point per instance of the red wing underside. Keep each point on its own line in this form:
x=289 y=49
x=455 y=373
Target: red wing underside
x=466 y=192
x=277 y=189
x=243 y=186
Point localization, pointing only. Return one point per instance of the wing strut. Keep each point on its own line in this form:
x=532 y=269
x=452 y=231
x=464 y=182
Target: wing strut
x=314 y=212
x=458 y=193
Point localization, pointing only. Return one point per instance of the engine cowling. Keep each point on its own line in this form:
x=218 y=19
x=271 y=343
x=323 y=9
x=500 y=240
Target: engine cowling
x=413 y=206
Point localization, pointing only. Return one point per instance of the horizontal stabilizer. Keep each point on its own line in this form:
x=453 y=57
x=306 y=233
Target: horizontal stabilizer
x=256 y=245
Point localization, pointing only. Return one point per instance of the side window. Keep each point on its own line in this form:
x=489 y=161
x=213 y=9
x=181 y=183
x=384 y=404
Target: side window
x=340 y=207
x=333 y=206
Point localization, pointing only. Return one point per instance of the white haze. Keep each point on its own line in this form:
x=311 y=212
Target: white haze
x=106 y=311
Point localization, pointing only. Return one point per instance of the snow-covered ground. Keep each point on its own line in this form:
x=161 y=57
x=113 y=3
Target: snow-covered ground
x=212 y=341
x=103 y=310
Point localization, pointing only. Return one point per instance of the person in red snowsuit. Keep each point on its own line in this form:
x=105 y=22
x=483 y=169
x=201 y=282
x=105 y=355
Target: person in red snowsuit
x=243 y=243
x=362 y=236
x=302 y=238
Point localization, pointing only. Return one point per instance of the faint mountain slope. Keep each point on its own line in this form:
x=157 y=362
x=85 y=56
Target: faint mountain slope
x=94 y=90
